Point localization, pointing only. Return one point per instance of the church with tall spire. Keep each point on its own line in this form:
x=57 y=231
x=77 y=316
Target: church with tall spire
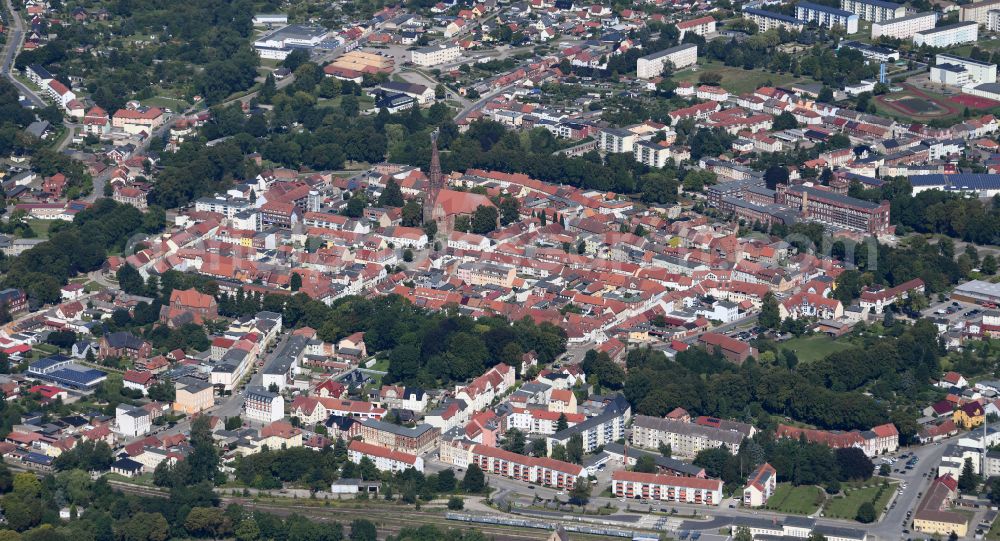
x=435 y=181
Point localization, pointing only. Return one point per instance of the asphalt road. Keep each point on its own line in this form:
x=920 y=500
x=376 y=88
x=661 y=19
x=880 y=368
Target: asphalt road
x=14 y=42
x=889 y=527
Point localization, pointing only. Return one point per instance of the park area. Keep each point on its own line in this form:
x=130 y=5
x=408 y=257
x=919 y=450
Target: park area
x=796 y=500
x=736 y=80
x=846 y=504
x=813 y=348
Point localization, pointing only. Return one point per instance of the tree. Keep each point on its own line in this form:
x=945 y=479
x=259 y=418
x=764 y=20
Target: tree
x=408 y=255
x=363 y=530
x=509 y=210
x=412 y=214
x=645 y=464
x=269 y=89
x=392 y=195
x=355 y=207
x=988 y=265
x=515 y=441
x=770 y=315
x=295 y=282
x=825 y=95
x=853 y=464
x=247 y=530
x=539 y=447
x=295 y=59
x=484 y=220
x=130 y=281
x=574 y=449
x=774 y=175
x=785 y=121
x=993 y=485
x=666 y=450
x=474 y=481
x=866 y=513
x=455 y=503
x=446 y=480
x=206 y=522
x=580 y=493
x=968 y=480
x=562 y=423
x=743 y=534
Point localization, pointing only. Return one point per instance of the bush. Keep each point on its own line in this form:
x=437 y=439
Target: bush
x=866 y=513
x=455 y=503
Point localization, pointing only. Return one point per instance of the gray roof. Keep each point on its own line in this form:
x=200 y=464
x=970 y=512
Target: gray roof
x=688 y=429
x=670 y=51
x=945 y=28
x=289 y=353
x=414 y=432
x=671 y=464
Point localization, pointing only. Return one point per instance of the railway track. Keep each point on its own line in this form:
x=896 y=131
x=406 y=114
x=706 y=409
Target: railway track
x=388 y=521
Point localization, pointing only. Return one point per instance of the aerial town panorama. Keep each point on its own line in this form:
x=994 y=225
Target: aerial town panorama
x=468 y=270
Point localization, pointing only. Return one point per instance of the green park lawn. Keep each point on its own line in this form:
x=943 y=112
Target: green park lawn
x=846 y=505
x=40 y=227
x=736 y=80
x=816 y=347
x=798 y=500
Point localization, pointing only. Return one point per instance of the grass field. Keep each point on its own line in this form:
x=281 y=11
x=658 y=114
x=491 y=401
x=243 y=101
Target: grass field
x=736 y=80
x=814 y=348
x=846 y=506
x=801 y=500
x=41 y=227
x=164 y=101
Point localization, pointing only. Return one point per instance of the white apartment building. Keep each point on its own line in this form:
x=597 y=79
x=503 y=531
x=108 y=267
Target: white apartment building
x=651 y=154
x=769 y=20
x=385 y=459
x=978 y=12
x=686 y=439
x=993 y=20
x=263 y=406
x=132 y=422
x=701 y=26
x=435 y=54
x=947 y=36
x=679 y=57
x=874 y=10
x=904 y=27
x=617 y=140
x=827 y=16
x=225 y=205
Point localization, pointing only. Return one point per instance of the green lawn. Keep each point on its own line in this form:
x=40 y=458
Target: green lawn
x=801 y=500
x=816 y=347
x=164 y=101
x=846 y=505
x=41 y=227
x=737 y=80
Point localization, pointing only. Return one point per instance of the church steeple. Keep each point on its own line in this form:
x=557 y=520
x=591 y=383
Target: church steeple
x=436 y=181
